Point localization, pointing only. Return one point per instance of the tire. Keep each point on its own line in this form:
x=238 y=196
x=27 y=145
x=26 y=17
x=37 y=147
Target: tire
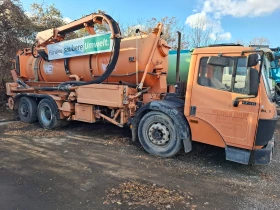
x=158 y=134
x=27 y=110
x=47 y=115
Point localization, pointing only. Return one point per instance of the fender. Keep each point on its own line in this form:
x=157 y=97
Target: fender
x=172 y=108
x=34 y=95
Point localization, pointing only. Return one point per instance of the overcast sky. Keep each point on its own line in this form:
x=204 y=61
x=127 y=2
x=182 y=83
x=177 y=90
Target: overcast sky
x=231 y=19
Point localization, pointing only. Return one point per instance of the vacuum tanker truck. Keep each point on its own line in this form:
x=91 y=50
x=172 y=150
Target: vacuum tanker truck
x=127 y=82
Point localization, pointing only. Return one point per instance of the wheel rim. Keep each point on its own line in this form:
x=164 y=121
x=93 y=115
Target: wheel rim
x=46 y=115
x=158 y=134
x=24 y=109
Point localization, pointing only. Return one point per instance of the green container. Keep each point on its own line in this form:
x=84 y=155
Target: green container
x=185 y=59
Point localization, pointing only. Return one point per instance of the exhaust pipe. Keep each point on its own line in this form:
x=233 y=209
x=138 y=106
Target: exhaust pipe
x=178 y=63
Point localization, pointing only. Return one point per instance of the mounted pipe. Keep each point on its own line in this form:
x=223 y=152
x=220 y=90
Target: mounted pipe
x=178 y=64
x=159 y=30
x=58 y=34
x=178 y=58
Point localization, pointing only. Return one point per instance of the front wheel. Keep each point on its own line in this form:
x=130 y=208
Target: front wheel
x=158 y=134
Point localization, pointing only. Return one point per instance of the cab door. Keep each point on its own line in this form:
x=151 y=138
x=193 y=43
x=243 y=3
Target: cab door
x=212 y=116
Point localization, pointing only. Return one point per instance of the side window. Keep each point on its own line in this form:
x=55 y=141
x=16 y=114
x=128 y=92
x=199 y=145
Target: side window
x=240 y=79
x=216 y=77
x=221 y=77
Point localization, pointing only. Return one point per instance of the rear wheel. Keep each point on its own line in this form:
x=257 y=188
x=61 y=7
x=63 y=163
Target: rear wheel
x=47 y=115
x=158 y=134
x=27 y=110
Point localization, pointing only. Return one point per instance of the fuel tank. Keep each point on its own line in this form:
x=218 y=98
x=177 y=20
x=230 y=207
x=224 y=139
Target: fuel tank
x=185 y=59
x=134 y=55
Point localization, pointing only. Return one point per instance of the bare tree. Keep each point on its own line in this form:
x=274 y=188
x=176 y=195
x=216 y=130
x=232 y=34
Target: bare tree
x=15 y=31
x=259 y=41
x=170 y=28
x=45 y=16
x=239 y=41
x=202 y=34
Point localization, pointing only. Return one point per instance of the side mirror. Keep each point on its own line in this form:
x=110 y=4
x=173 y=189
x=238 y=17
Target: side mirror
x=252 y=60
x=218 y=61
x=252 y=81
x=270 y=56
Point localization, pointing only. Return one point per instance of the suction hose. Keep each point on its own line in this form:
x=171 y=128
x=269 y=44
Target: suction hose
x=113 y=60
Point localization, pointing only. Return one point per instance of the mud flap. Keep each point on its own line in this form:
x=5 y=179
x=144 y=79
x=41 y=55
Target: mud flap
x=187 y=145
x=238 y=155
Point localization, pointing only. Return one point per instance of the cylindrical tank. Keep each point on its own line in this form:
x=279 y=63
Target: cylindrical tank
x=133 y=58
x=185 y=59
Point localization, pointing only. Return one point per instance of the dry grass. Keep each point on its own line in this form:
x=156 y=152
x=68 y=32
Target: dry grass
x=25 y=129
x=133 y=193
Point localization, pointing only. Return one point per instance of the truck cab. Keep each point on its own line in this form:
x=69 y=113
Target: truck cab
x=222 y=111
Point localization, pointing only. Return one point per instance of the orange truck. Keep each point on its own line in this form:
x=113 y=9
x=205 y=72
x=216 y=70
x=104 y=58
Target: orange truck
x=124 y=81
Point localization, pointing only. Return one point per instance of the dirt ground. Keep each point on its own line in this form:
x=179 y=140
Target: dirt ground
x=94 y=166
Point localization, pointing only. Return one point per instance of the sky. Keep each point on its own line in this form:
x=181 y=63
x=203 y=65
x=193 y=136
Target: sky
x=230 y=20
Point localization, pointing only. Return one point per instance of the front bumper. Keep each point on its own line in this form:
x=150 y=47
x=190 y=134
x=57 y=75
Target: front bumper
x=264 y=156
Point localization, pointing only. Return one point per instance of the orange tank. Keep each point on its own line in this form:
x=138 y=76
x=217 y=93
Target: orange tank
x=134 y=56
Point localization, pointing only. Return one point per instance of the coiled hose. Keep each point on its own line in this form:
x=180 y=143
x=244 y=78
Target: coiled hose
x=111 y=65
x=113 y=61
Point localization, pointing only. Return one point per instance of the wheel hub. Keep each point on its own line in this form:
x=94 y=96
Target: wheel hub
x=46 y=115
x=24 y=109
x=159 y=134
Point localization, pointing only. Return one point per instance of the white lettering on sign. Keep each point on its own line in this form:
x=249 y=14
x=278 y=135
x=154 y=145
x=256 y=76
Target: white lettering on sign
x=48 y=67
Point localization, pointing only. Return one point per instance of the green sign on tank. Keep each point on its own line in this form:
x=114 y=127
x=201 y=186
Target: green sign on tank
x=92 y=44
x=185 y=59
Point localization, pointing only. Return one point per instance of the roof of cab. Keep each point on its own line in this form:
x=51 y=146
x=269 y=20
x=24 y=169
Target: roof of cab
x=222 y=48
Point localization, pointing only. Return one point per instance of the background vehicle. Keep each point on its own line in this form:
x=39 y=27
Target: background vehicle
x=275 y=70
x=272 y=66
x=223 y=102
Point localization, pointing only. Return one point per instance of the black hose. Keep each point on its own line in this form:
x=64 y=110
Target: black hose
x=22 y=83
x=66 y=88
x=127 y=84
x=90 y=67
x=46 y=88
x=32 y=50
x=111 y=65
